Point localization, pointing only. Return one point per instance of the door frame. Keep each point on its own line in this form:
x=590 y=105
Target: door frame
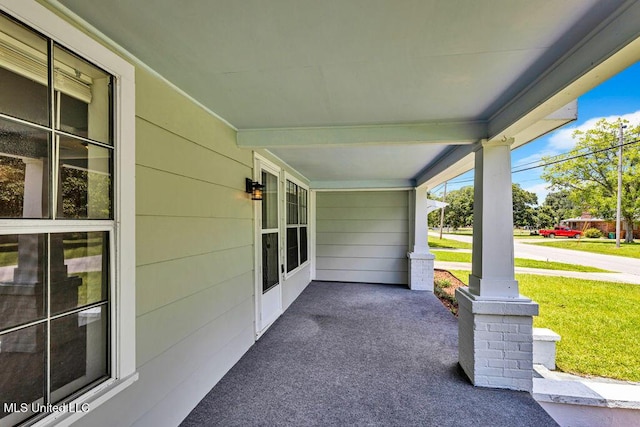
x=260 y=163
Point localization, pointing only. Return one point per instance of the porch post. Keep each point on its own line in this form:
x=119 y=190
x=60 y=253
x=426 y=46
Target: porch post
x=420 y=258
x=494 y=320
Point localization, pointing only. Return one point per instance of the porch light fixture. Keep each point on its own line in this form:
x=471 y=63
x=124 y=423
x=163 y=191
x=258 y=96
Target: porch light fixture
x=254 y=188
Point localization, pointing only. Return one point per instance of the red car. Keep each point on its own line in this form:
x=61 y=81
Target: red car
x=561 y=231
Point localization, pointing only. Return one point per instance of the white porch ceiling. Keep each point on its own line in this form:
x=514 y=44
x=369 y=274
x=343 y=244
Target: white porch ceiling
x=372 y=90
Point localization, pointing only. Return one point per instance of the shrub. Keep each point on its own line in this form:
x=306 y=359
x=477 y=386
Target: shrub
x=593 y=233
x=442 y=283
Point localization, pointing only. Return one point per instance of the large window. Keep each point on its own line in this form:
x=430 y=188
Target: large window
x=58 y=233
x=297 y=213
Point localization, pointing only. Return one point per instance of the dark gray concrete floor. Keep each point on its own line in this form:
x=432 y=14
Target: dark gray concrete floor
x=360 y=354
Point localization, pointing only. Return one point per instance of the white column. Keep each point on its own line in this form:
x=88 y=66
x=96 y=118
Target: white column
x=492 y=272
x=494 y=320
x=420 y=258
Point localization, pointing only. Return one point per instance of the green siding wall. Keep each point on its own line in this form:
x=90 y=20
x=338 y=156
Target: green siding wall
x=362 y=236
x=194 y=254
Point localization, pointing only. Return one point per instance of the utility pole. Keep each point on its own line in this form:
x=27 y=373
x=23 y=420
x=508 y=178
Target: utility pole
x=444 y=198
x=619 y=205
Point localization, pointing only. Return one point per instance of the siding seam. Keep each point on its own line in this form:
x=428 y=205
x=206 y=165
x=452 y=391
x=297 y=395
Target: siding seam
x=214 y=320
x=193 y=255
x=191 y=177
x=177 y=385
x=139 y=315
x=194 y=142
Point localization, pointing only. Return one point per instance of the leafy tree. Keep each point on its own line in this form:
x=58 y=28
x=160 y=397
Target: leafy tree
x=524 y=201
x=545 y=216
x=592 y=179
x=561 y=206
x=459 y=212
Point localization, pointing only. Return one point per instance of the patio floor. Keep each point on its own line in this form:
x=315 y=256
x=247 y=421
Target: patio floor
x=360 y=354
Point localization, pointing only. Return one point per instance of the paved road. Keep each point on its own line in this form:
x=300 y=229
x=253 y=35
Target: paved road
x=630 y=266
x=605 y=277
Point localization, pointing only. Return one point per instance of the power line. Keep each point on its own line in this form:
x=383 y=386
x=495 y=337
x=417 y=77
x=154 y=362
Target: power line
x=577 y=156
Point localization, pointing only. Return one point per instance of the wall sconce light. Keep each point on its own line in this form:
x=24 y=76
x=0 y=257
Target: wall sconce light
x=254 y=188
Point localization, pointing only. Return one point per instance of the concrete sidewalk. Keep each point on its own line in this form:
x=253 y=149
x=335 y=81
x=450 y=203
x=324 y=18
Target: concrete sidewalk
x=618 y=264
x=605 y=277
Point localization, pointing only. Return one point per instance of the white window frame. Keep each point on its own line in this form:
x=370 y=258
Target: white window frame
x=123 y=319
x=300 y=184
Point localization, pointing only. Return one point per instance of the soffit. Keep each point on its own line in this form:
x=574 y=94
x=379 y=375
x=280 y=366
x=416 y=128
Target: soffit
x=290 y=64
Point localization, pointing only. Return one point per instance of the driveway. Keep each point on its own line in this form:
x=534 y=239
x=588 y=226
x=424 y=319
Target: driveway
x=607 y=262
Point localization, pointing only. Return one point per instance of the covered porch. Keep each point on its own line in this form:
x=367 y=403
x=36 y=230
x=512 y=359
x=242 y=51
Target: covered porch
x=360 y=354
x=349 y=112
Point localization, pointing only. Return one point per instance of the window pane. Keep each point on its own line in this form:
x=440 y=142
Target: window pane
x=23 y=262
x=303 y=206
x=83 y=94
x=24 y=171
x=303 y=244
x=292 y=248
x=79 y=351
x=79 y=269
x=22 y=374
x=269 y=201
x=269 y=261
x=85 y=180
x=23 y=73
x=292 y=203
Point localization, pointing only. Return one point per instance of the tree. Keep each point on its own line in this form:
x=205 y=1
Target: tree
x=459 y=212
x=524 y=201
x=561 y=206
x=591 y=180
x=545 y=217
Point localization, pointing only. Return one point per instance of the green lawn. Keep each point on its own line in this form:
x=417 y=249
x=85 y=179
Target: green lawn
x=451 y=256
x=436 y=242
x=517 y=233
x=598 y=322
x=607 y=247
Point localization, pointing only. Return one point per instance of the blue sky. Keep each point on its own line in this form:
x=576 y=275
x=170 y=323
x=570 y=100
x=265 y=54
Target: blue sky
x=617 y=97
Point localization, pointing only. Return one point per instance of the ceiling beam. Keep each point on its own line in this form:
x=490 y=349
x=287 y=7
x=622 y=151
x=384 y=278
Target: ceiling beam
x=457 y=160
x=441 y=132
x=374 y=184
x=609 y=49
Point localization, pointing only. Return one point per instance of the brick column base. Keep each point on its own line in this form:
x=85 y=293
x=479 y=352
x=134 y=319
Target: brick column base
x=420 y=271
x=495 y=342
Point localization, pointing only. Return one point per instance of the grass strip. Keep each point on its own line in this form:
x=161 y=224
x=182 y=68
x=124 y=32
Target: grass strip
x=450 y=256
x=606 y=247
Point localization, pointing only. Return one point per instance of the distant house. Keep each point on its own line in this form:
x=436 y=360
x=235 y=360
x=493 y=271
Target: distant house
x=586 y=220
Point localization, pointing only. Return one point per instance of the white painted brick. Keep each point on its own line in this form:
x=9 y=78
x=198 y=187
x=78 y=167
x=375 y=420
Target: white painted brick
x=496 y=345
x=508 y=364
x=518 y=373
x=489 y=336
x=519 y=320
x=503 y=327
x=490 y=354
x=512 y=346
x=517 y=355
x=525 y=364
x=525 y=329
x=483 y=345
x=489 y=372
x=525 y=346
x=518 y=337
